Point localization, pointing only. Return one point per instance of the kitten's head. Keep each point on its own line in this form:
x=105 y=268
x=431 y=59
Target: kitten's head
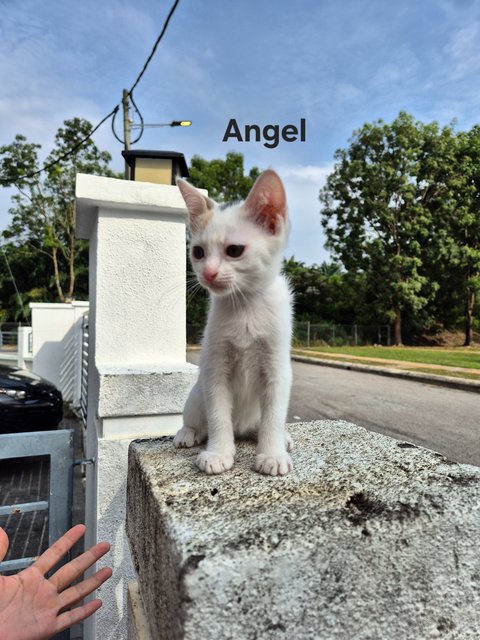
x=238 y=248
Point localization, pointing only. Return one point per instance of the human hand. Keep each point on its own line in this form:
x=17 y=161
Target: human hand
x=33 y=607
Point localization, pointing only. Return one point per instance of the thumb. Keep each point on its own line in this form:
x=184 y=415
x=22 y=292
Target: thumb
x=3 y=544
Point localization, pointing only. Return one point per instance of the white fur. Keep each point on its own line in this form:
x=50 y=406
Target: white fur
x=244 y=383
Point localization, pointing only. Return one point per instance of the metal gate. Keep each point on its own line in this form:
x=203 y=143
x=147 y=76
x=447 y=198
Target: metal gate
x=59 y=446
x=84 y=371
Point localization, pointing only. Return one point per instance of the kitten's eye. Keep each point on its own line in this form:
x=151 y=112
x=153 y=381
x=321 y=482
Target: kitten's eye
x=198 y=252
x=235 y=250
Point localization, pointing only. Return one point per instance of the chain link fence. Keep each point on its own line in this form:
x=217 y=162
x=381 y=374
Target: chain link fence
x=306 y=334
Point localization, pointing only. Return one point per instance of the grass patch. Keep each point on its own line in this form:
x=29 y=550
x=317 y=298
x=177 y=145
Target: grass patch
x=402 y=366
x=445 y=372
x=465 y=358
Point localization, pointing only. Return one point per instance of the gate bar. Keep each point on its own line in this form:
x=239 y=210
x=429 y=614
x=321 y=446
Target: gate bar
x=26 y=507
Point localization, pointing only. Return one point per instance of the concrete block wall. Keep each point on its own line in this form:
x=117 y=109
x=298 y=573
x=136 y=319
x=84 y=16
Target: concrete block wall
x=368 y=538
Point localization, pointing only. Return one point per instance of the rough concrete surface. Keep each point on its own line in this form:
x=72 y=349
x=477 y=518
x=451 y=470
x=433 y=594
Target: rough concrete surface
x=369 y=538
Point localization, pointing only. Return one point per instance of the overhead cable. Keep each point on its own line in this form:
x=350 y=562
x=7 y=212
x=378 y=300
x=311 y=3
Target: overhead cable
x=66 y=154
x=140 y=75
x=162 y=33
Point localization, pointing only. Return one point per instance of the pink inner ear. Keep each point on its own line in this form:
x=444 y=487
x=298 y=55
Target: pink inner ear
x=267 y=202
x=268 y=216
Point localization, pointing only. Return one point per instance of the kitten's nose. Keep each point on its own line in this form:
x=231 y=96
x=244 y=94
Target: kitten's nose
x=210 y=275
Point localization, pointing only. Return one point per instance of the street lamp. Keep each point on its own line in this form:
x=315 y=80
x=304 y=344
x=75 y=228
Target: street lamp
x=174 y=123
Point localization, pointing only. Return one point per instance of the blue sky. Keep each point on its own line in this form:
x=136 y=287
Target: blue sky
x=337 y=63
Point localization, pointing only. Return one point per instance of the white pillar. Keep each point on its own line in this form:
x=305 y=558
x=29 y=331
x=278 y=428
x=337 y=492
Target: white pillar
x=138 y=374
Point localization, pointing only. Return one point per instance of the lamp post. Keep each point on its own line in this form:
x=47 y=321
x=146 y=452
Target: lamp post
x=128 y=126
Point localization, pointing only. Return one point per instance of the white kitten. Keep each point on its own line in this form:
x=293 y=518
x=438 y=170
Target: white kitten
x=245 y=373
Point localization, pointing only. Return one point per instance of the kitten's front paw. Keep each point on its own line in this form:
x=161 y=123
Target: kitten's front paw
x=186 y=437
x=273 y=465
x=214 y=462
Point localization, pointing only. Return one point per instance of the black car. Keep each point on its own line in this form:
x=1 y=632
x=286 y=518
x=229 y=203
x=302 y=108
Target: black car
x=27 y=401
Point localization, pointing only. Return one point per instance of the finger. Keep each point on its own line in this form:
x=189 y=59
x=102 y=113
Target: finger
x=79 y=600
x=77 y=567
x=69 y=618
x=3 y=544
x=55 y=553
x=78 y=592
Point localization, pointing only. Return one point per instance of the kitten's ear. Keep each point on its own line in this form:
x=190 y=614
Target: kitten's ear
x=267 y=202
x=200 y=208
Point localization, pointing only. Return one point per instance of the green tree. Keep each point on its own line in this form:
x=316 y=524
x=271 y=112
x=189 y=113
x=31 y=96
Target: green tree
x=465 y=223
x=225 y=180
x=324 y=293
x=28 y=270
x=455 y=239
x=34 y=278
x=375 y=213
x=43 y=211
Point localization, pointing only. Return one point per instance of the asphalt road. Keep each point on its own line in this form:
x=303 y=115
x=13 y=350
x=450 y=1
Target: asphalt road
x=445 y=420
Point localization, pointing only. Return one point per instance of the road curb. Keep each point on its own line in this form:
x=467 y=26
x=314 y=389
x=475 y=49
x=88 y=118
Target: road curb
x=443 y=381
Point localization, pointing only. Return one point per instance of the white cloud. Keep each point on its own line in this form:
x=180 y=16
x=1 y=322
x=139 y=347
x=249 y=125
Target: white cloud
x=462 y=51
x=307 y=173
x=302 y=184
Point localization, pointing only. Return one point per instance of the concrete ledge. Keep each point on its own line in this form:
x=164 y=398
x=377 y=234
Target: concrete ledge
x=368 y=538
x=443 y=381
x=144 y=390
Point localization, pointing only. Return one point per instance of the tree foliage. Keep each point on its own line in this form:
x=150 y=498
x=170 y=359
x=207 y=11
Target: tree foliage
x=322 y=293
x=400 y=210
x=43 y=209
x=225 y=180
x=455 y=234
x=374 y=216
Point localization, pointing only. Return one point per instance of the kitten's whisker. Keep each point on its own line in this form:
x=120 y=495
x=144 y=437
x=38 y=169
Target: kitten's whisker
x=193 y=290
x=240 y=292
x=231 y=295
x=236 y=292
x=193 y=284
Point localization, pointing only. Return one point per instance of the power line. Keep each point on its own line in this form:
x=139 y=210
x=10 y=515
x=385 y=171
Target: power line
x=68 y=153
x=113 y=112
x=162 y=33
x=140 y=75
